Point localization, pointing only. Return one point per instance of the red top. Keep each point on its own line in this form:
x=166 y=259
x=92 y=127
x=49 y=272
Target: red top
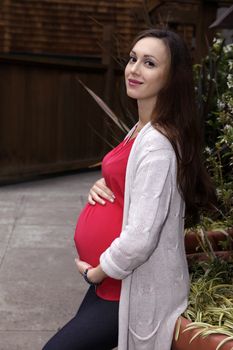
x=98 y=225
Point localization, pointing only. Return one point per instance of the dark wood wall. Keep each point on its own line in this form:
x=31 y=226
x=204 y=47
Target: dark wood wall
x=45 y=116
x=44 y=113
x=67 y=27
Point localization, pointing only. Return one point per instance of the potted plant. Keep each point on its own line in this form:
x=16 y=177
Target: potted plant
x=214 y=90
x=208 y=320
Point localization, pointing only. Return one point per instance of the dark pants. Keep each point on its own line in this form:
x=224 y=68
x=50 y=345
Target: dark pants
x=95 y=326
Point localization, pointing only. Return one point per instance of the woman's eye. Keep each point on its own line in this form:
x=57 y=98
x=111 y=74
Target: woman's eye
x=150 y=64
x=132 y=59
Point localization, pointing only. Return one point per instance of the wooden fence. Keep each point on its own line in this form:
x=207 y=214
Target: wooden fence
x=45 y=115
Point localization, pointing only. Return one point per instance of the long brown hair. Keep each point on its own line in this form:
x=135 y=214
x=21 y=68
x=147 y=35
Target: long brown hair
x=175 y=116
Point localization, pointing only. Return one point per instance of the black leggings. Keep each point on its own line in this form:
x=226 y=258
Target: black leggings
x=95 y=326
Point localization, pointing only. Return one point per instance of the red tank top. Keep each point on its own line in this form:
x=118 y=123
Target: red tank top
x=98 y=225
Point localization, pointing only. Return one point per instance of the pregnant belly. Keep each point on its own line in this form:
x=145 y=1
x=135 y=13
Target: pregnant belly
x=96 y=228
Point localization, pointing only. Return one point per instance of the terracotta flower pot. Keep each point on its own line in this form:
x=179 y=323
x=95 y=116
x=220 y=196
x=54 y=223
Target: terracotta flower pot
x=199 y=343
x=215 y=237
x=195 y=257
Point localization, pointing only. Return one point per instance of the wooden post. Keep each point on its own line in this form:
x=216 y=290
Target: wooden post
x=207 y=14
x=7 y=35
x=108 y=60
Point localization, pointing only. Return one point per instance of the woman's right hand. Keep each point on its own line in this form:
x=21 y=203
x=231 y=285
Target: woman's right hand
x=99 y=191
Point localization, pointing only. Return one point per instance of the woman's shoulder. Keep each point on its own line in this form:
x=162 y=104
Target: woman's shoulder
x=154 y=139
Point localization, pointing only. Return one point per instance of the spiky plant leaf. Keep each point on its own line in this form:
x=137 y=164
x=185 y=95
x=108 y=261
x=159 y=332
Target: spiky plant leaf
x=122 y=126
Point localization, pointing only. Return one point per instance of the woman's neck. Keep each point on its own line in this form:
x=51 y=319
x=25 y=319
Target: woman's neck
x=145 y=110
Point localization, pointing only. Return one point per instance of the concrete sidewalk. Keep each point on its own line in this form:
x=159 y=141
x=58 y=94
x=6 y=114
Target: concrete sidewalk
x=40 y=289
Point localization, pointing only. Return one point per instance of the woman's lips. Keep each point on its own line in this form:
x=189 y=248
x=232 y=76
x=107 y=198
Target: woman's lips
x=133 y=82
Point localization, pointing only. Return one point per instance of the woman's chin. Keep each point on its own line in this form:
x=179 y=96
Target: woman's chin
x=131 y=94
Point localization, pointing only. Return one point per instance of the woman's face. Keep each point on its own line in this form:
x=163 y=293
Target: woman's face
x=147 y=70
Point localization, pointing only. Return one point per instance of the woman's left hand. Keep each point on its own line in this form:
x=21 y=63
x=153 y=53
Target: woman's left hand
x=82 y=265
x=95 y=274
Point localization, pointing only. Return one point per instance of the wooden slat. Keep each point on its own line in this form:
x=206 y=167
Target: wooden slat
x=46 y=128
x=33 y=26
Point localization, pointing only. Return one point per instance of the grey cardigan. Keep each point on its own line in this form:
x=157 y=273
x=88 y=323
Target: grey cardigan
x=149 y=255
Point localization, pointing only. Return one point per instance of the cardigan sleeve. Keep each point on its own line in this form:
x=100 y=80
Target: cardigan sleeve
x=148 y=209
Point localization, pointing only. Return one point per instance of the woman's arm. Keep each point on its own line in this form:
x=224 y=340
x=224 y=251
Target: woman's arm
x=149 y=206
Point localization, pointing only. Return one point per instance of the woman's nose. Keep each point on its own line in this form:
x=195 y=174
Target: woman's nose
x=135 y=68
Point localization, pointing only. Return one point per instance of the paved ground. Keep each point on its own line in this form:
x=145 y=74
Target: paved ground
x=40 y=288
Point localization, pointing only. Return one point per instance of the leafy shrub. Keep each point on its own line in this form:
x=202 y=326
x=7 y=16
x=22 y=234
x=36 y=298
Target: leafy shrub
x=214 y=91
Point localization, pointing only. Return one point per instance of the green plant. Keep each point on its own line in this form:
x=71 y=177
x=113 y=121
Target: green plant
x=210 y=305
x=214 y=90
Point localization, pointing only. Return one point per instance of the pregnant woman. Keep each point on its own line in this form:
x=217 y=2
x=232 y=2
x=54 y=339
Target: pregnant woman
x=129 y=236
